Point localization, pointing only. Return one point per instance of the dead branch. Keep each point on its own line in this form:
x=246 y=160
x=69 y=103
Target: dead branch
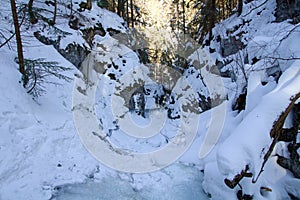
x=237 y=178
x=279 y=58
x=276 y=132
x=2 y=45
x=255 y=8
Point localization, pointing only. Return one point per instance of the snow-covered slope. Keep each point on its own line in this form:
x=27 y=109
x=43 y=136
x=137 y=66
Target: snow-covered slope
x=259 y=50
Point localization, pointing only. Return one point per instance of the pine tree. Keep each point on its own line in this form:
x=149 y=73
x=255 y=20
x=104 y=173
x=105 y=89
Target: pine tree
x=19 y=42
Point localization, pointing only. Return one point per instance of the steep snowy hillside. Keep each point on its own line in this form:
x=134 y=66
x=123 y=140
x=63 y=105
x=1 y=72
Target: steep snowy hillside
x=260 y=53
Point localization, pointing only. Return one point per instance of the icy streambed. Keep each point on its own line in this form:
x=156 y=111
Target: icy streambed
x=177 y=182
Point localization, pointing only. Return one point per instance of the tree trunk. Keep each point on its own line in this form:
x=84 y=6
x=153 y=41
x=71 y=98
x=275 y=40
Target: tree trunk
x=127 y=11
x=212 y=20
x=54 y=13
x=240 y=7
x=32 y=18
x=132 y=16
x=177 y=14
x=113 y=6
x=119 y=8
x=89 y=4
x=19 y=41
x=183 y=16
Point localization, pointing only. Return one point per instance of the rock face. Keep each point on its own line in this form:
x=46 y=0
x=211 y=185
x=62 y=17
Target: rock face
x=75 y=53
x=148 y=97
x=288 y=9
x=231 y=46
x=89 y=33
x=137 y=102
x=290 y=135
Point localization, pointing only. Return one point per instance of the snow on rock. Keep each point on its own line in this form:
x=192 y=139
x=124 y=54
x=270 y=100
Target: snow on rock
x=247 y=146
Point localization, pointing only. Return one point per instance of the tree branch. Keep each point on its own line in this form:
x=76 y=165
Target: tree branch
x=2 y=45
x=255 y=8
x=275 y=132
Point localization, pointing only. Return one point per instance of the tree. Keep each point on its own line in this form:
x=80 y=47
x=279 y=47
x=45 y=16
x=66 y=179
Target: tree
x=54 y=13
x=183 y=16
x=213 y=11
x=120 y=8
x=88 y=5
x=19 y=42
x=240 y=7
x=131 y=14
x=32 y=17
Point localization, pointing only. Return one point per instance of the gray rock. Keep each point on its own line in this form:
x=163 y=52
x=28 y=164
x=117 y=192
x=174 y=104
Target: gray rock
x=231 y=46
x=287 y=9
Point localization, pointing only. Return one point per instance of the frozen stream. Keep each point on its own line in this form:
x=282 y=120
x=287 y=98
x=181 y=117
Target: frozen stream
x=177 y=182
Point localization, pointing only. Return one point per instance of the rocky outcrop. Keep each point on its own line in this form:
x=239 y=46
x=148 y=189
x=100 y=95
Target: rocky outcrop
x=89 y=33
x=288 y=9
x=74 y=53
x=148 y=97
x=290 y=135
x=231 y=46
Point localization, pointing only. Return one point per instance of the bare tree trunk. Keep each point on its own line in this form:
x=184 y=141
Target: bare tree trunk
x=183 y=16
x=127 y=11
x=119 y=11
x=32 y=18
x=178 y=17
x=19 y=41
x=240 y=7
x=54 y=13
x=71 y=8
x=212 y=20
x=113 y=6
x=132 y=16
x=89 y=4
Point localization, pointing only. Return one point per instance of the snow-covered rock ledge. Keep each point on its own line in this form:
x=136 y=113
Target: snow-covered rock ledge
x=248 y=146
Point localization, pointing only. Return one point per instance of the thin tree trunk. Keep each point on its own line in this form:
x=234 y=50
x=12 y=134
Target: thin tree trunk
x=183 y=16
x=240 y=7
x=54 y=13
x=32 y=18
x=113 y=6
x=71 y=8
x=19 y=41
x=177 y=14
x=89 y=4
x=127 y=11
x=132 y=16
x=119 y=8
x=212 y=20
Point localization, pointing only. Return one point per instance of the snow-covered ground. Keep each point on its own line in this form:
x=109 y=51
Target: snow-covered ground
x=43 y=157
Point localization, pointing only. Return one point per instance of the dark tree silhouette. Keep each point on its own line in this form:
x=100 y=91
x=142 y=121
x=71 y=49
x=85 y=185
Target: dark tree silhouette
x=19 y=42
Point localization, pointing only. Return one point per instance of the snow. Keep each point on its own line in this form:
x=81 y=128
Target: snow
x=130 y=186
x=43 y=157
